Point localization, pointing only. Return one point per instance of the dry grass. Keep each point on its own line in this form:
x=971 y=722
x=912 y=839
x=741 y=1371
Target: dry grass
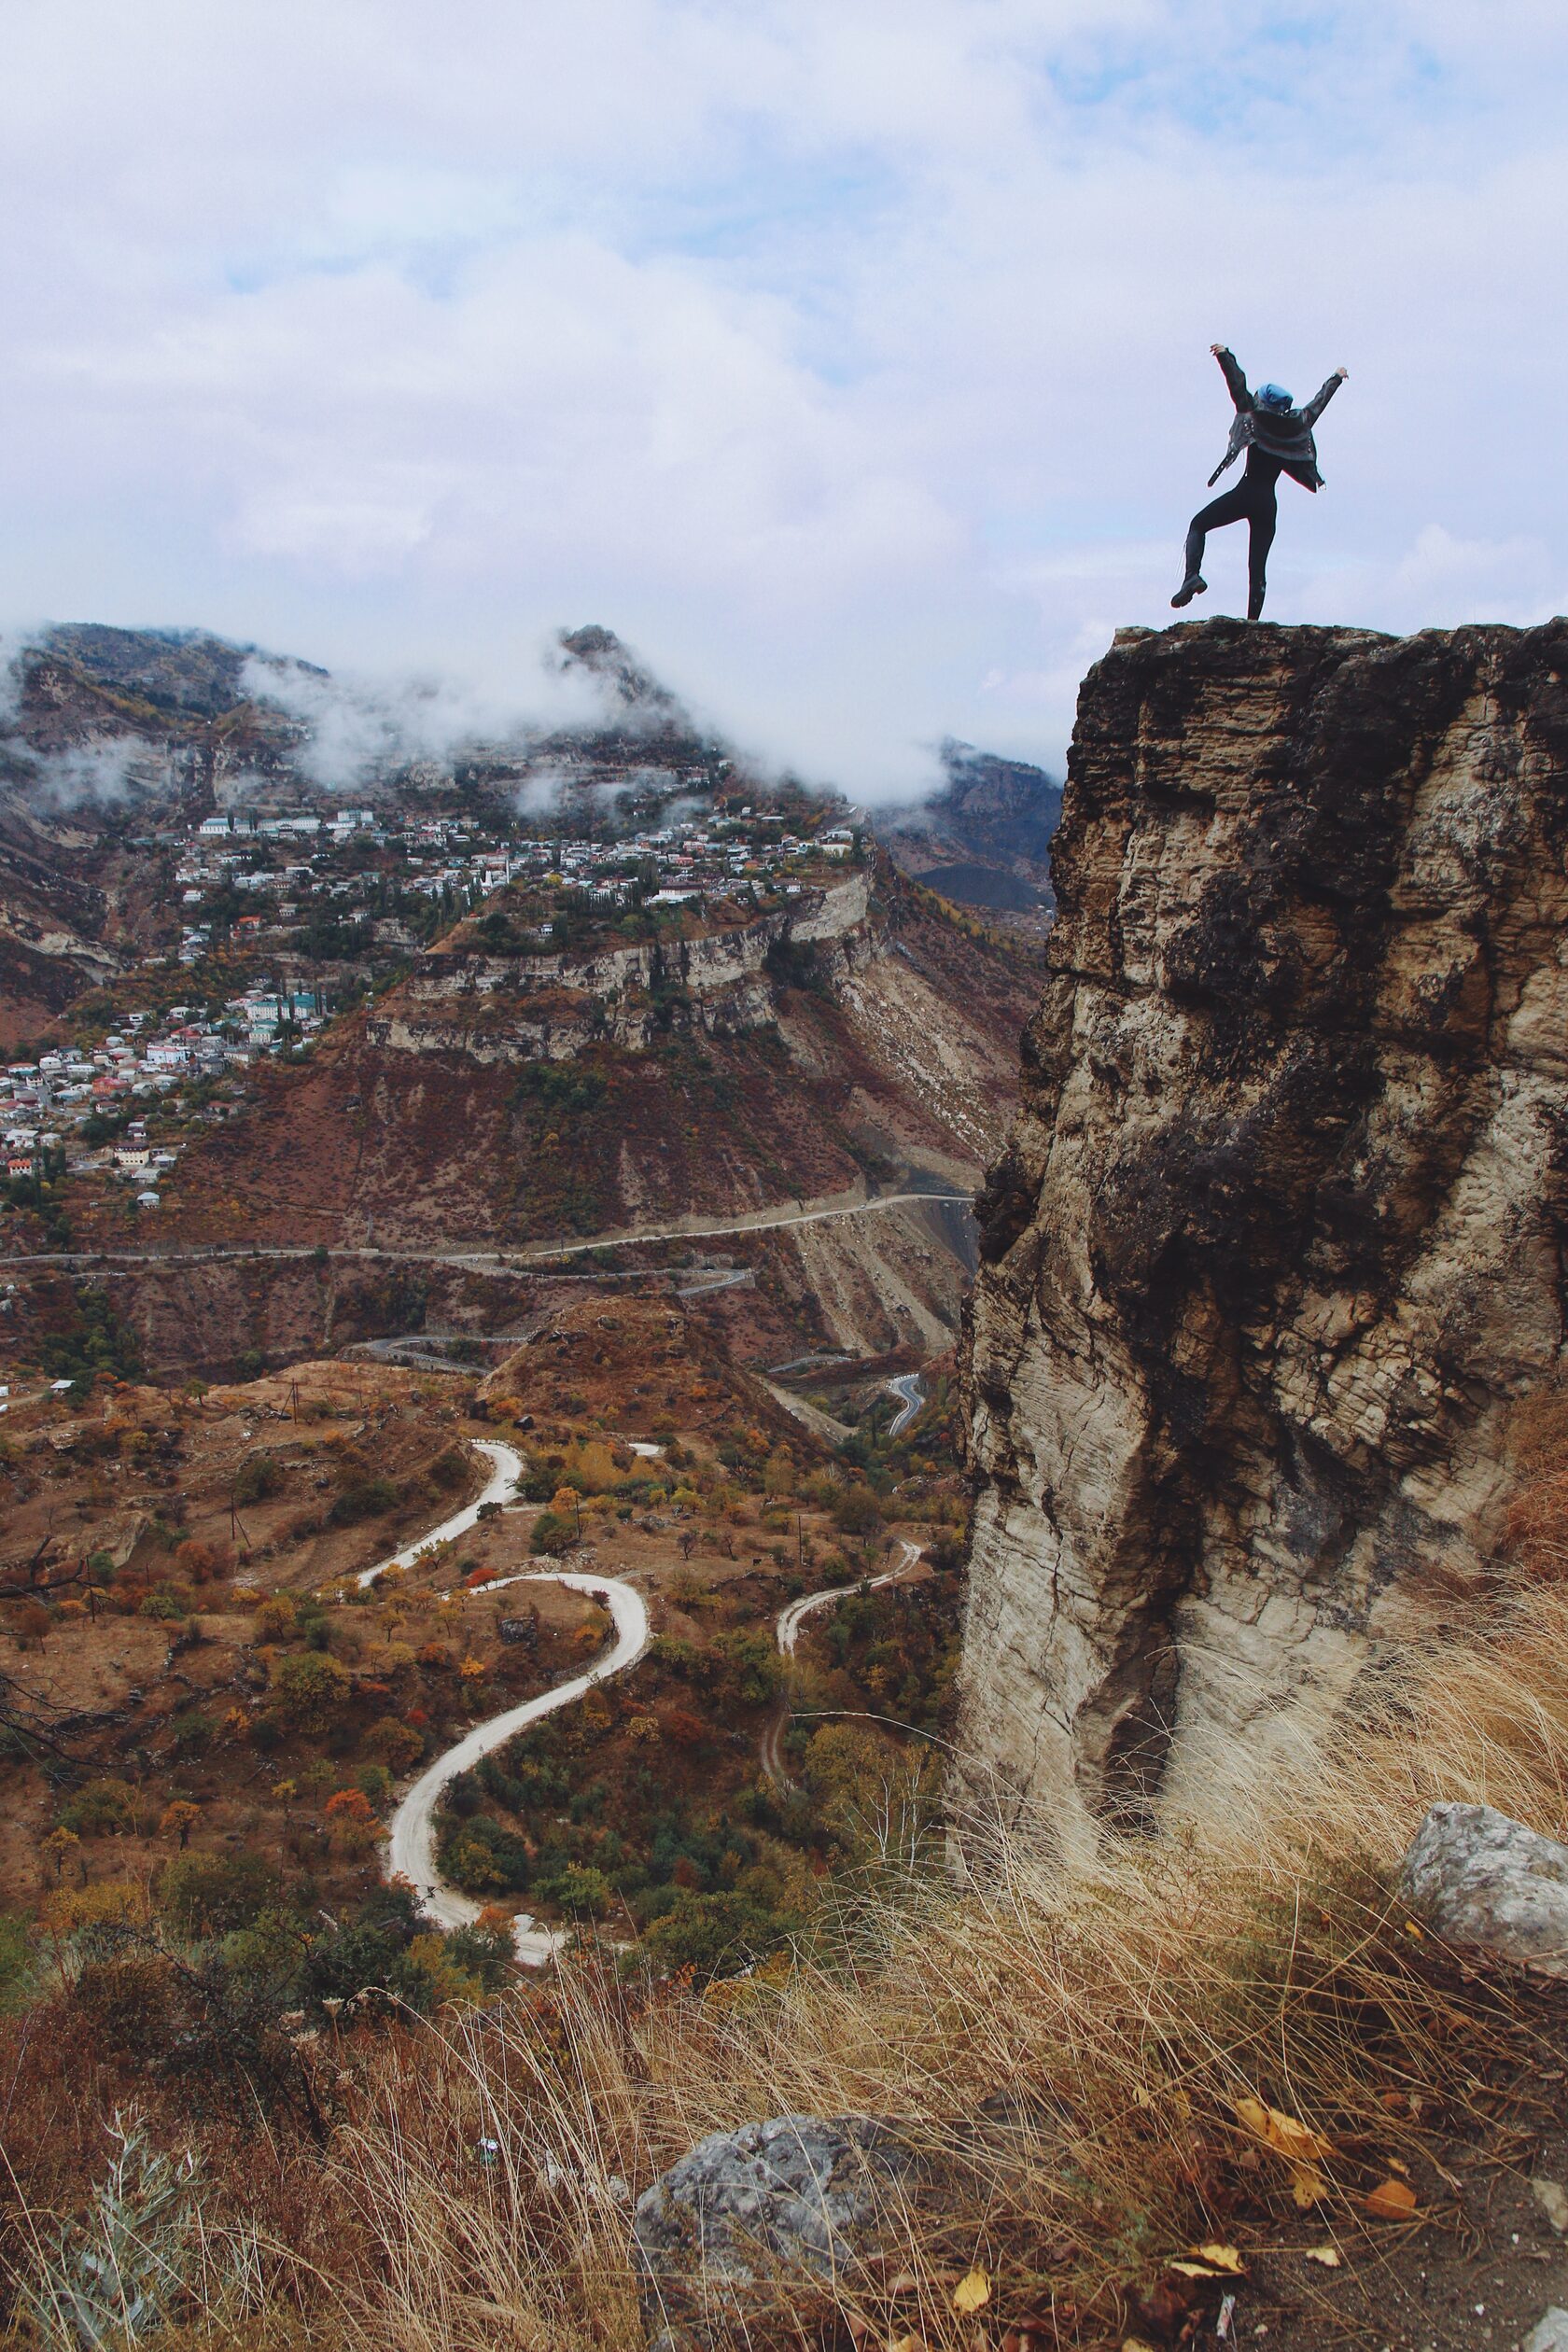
x=1065 y=2052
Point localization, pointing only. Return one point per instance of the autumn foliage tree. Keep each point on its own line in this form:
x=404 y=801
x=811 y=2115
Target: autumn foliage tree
x=178 y=1819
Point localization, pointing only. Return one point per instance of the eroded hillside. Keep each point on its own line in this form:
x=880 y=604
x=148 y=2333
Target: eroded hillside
x=859 y=1043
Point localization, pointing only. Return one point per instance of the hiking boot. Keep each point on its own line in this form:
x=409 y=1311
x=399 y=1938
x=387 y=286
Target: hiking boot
x=1194 y=585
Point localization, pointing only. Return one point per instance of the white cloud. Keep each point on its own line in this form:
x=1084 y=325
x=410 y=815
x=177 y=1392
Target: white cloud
x=845 y=358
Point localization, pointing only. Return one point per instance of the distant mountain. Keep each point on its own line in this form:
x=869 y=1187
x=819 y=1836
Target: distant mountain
x=114 y=735
x=984 y=838
x=178 y=670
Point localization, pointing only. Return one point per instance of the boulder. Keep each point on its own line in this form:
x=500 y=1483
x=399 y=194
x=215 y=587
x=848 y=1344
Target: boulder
x=1486 y=1882
x=1549 y=2333
x=793 y=2204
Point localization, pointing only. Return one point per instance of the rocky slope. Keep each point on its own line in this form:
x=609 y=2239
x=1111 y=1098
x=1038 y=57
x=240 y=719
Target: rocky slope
x=859 y=1041
x=985 y=839
x=1275 y=1251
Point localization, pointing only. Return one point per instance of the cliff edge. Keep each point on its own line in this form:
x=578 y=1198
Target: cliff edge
x=1276 y=1247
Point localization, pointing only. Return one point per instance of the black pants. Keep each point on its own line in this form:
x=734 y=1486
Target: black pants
x=1253 y=501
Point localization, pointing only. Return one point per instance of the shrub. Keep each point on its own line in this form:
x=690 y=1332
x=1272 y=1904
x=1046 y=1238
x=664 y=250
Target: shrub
x=109 y=2278
x=191 y=1731
x=102 y=1808
x=449 y=1470
x=858 y=1512
x=259 y=1476
x=198 y=1563
x=163 y=1605
x=32 y=1623
x=367 y=1498
x=581 y=1890
x=483 y=1859
x=310 y=1688
x=396 y=1747
x=276 y=1619
x=682 y=1729
x=552 y=1535
x=715 y=1934
x=376 y=1783
x=211 y=1894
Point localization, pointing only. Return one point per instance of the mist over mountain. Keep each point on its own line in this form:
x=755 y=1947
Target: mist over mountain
x=97 y=719
x=985 y=838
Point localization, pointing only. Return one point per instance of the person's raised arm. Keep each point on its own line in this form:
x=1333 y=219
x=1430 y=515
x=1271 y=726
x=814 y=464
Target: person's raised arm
x=1320 y=401
x=1235 y=383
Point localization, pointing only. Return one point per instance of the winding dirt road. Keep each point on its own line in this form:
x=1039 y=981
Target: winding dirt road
x=910 y=1390
x=506 y=1477
x=786 y=1632
x=411 y=1849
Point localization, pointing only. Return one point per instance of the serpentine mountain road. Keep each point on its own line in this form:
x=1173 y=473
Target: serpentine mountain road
x=411 y=1849
x=786 y=1632
x=910 y=1390
x=506 y=1478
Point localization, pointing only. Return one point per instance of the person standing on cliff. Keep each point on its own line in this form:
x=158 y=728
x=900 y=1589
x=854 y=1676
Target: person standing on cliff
x=1276 y=436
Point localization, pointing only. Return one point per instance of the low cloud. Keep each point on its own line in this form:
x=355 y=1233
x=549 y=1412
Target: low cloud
x=108 y=769
x=357 y=728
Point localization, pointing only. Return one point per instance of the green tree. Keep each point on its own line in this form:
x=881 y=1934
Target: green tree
x=716 y=1935
x=309 y=1688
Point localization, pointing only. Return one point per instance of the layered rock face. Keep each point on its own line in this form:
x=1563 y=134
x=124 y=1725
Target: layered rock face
x=1276 y=1247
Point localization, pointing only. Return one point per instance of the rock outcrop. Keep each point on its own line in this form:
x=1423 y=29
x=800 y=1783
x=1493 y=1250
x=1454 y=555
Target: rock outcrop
x=1488 y=1883
x=776 y=2208
x=554 y=1007
x=1276 y=1247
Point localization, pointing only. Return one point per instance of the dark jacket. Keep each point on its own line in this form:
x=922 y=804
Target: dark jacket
x=1287 y=437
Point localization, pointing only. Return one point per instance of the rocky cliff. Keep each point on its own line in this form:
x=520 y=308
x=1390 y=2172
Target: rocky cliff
x=555 y=1007
x=1275 y=1250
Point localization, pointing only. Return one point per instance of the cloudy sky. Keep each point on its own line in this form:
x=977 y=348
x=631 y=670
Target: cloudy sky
x=848 y=357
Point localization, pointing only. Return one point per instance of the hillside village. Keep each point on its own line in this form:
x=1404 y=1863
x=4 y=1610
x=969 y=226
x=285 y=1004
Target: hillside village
x=404 y=871
x=319 y=892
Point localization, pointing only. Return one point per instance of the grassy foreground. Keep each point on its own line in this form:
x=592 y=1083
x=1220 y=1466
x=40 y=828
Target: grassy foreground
x=1229 y=2038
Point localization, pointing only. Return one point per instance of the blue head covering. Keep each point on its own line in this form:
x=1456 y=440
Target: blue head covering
x=1275 y=398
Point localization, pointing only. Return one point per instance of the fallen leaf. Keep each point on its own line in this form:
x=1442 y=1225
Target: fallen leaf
x=1392 y=2201
x=1329 y=2256
x=1308 y=2186
x=905 y=2344
x=971 y=2294
x=1281 y=2132
x=1136 y=2343
x=1415 y=1933
x=1210 y=2262
x=1394 y=2165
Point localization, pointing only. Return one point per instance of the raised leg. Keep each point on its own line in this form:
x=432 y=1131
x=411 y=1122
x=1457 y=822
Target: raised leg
x=1219 y=512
